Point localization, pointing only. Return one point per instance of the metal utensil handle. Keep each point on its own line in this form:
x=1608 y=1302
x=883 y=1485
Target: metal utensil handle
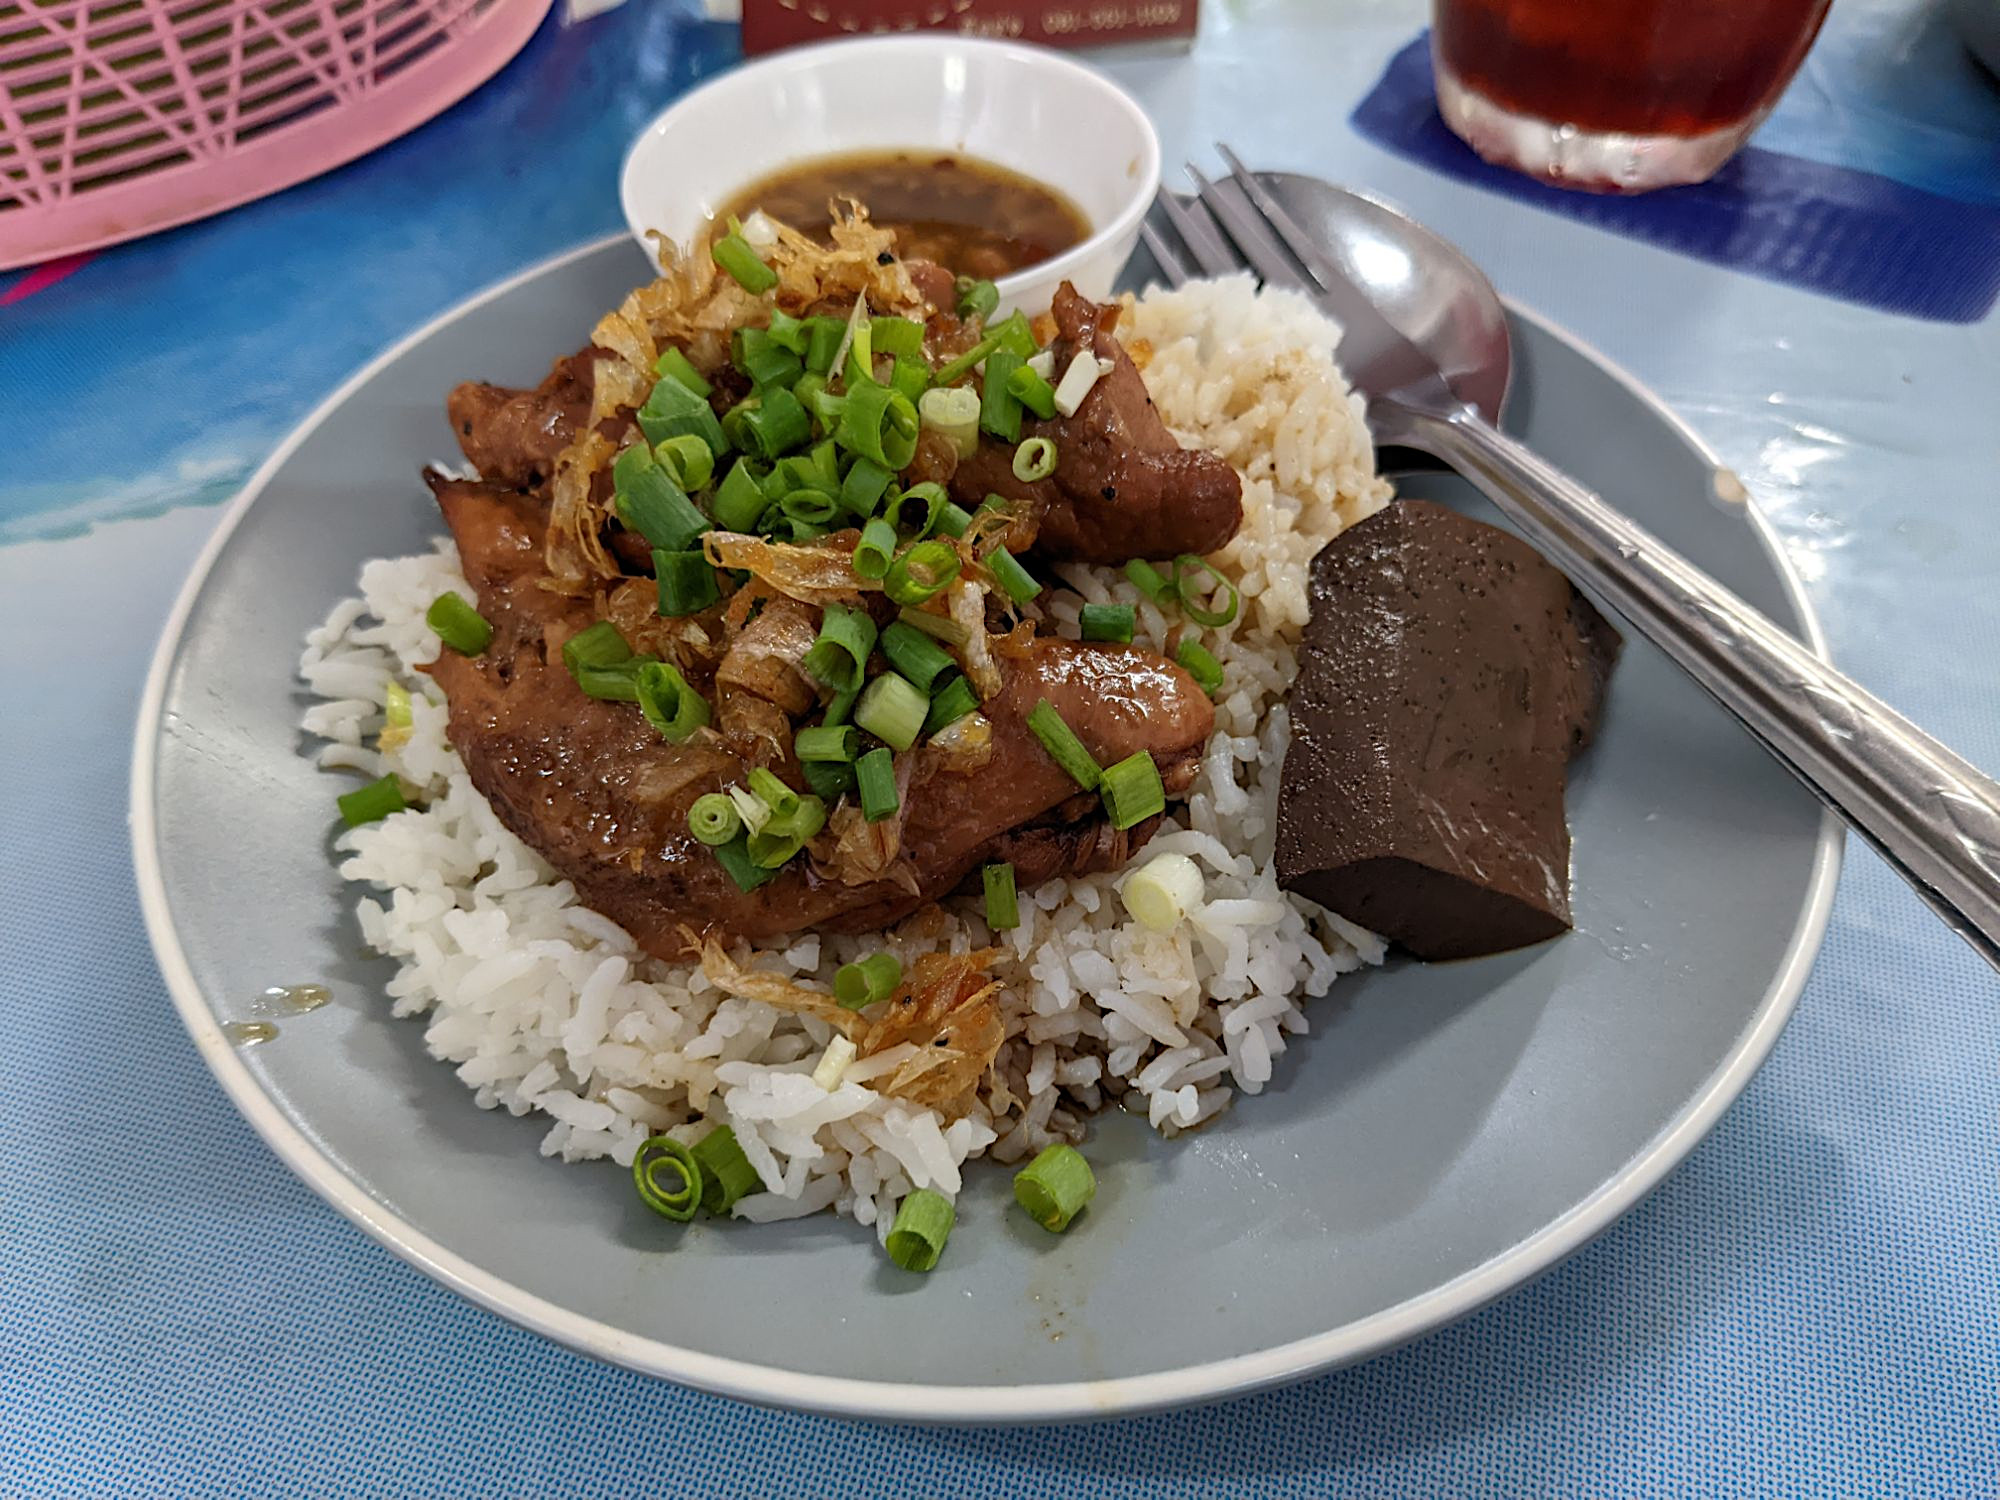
x=1935 y=817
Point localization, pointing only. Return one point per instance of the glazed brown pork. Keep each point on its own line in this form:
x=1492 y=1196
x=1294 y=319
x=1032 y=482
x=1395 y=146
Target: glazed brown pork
x=604 y=798
x=514 y=436
x=1123 y=487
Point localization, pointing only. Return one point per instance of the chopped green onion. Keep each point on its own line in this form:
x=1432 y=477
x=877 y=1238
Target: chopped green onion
x=914 y=511
x=826 y=406
x=862 y=490
x=914 y=655
x=1151 y=582
x=773 y=793
x=839 y=657
x=977 y=299
x=734 y=857
x=371 y=803
x=650 y=503
x=1063 y=746
x=910 y=376
x=787 y=331
x=714 y=819
x=1132 y=791
x=736 y=423
x=999 y=411
x=599 y=646
x=880 y=424
x=825 y=457
x=1034 y=459
x=668 y=1178
x=675 y=366
x=952 y=411
x=833 y=1063
x=1193 y=591
x=396 y=717
x=898 y=336
x=860 y=366
x=840 y=706
x=866 y=980
x=688 y=460
x=751 y=808
x=786 y=834
x=829 y=779
x=1163 y=890
x=1003 y=903
x=923 y=571
x=923 y=1224
x=876 y=549
x=1017 y=581
x=892 y=709
x=798 y=471
x=1033 y=392
x=669 y=704
x=956 y=370
x=937 y=627
x=673 y=409
x=726 y=1173
x=1107 y=622
x=616 y=683
x=875 y=776
x=1077 y=382
x=809 y=508
x=809 y=388
x=686 y=583
x=740 y=502
x=777 y=423
x=1016 y=335
x=1201 y=666
x=952 y=520
x=949 y=704
x=827 y=742
x=823 y=336
x=763 y=358
x=458 y=624
x=733 y=253
x=1055 y=1186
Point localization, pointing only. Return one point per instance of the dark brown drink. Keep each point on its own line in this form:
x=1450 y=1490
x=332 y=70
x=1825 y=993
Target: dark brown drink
x=1616 y=95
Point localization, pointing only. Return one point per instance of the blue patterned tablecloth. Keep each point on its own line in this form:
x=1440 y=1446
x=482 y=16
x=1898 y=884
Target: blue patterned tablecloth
x=1811 y=1305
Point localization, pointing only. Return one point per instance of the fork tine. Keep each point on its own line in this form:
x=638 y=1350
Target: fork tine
x=1275 y=214
x=1164 y=255
x=1206 y=243
x=1259 y=246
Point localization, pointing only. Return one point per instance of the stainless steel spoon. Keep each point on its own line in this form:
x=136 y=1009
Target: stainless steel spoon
x=1425 y=340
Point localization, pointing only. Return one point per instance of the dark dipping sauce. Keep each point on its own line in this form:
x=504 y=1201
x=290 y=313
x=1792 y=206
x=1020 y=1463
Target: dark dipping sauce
x=970 y=216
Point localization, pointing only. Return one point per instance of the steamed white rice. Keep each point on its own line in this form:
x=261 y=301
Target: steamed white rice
x=543 y=1005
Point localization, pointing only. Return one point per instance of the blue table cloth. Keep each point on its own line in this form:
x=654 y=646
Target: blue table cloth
x=1810 y=1305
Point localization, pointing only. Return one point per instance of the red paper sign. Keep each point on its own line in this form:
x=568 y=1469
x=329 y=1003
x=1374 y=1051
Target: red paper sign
x=771 y=24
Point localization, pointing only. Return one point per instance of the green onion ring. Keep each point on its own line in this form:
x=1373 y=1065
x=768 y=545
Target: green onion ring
x=668 y=1178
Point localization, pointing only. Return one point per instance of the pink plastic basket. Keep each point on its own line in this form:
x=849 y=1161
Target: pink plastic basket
x=119 y=117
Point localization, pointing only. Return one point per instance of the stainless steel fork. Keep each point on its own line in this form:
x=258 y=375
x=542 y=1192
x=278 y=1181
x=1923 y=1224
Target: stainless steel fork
x=1934 y=817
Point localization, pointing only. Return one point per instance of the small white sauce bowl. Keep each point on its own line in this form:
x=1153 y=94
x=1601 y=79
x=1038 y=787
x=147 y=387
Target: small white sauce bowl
x=1038 y=113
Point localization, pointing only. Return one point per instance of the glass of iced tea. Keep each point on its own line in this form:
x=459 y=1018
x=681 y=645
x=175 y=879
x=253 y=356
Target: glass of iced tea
x=1615 y=96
